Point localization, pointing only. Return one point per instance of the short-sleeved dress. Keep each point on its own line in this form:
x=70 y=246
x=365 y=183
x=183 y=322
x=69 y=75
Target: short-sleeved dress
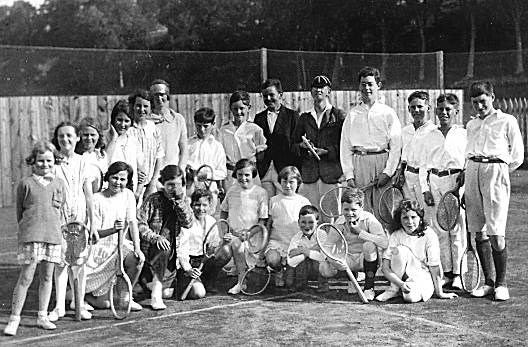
x=102 y=262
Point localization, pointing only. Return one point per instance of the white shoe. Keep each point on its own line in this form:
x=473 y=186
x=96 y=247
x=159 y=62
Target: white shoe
x=167 y=293
x=457 y=283
x=351 y=289
x=85 y=315
x=157 y=304
x=55 y=315
x=369 y=294
x=87 y=306
x=235 y=290
x=387 y=295
x=12 y=326
x=134 y=306
x=482 y=291
x=44 y=323
x=502 y=293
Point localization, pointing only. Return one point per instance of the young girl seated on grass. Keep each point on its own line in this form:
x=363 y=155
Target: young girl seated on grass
x=282 y=222
x=245 y=205
x=411 y=262
x=40 y=198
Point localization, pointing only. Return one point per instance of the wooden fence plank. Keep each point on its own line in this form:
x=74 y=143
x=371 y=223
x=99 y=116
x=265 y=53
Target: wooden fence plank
x=6 y=185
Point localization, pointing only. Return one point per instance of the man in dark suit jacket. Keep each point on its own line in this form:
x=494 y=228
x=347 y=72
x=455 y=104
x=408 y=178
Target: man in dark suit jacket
x=278 y=123
x=322 y=127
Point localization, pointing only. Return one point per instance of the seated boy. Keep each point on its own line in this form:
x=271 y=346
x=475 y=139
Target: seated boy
x=204 y=149
x=304 y=255
x=364 y=235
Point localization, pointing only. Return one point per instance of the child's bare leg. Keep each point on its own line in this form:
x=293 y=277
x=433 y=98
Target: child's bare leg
x=19 y=297
x=45 y=285
x=197 y=291
x=240 y=263
x=273 y=259
x=61 y=281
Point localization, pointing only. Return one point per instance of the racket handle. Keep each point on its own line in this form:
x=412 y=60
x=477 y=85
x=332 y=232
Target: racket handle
x=189 y=286
x=356 y=285
x=77 y=296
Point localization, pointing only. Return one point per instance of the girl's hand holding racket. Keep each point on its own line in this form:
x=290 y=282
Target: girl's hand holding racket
x=162 y=243
x=405 y=288
x=139 y=255
x=194 y=273
x=94 y=235
x=141 y=177
x=119 y=224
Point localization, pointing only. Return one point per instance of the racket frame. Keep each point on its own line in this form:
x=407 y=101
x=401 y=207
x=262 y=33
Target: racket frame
x=208 y=181
x=469 y=248
x=120 y=272
x=253 y=230
x=393 y=187
x=310 y=147
x=75 y=264
x=455 y=193
x=205 y=256
x=248 y=271
x=342 y=262
x=332 y=190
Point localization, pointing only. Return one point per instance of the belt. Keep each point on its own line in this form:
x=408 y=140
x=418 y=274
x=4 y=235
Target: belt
x=445 y=172
x=486 y=160
x=414 y=170
x=360 y=152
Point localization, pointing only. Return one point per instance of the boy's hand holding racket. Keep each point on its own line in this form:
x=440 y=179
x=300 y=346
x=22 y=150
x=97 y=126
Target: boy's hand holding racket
x=194 y=273
x=162 y=243
x=428 y=198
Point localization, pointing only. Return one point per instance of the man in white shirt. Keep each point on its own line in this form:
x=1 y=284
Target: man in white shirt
x=494 y=149
x=370 y=141
x=444 y=158
x=170 y=124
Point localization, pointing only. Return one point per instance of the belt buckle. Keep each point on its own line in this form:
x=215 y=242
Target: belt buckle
x=485 y=160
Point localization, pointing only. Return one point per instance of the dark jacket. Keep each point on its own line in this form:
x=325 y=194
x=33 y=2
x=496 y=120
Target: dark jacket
x=279 y=142
x=327 y=137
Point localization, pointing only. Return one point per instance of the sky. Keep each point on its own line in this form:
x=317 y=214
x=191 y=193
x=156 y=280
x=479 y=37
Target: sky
x=35 y=3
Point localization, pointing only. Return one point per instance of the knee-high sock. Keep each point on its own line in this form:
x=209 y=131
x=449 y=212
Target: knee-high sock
x=370 y=268
x=486 y=260
x=500 y=260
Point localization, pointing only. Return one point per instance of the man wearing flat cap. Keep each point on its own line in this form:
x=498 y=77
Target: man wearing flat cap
x=370 y=141
x=321 y=127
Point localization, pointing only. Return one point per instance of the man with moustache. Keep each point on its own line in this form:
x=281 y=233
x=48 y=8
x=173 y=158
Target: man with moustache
x=278 y=123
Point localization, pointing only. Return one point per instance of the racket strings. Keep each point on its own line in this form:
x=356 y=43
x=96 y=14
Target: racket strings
x=256 y=280
x=388 y=203
x=448 y=211
x=470 y=271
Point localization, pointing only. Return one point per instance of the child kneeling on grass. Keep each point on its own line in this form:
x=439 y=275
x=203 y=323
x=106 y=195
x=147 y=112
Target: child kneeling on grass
x=304 y=255
x=411 y=262
x=364 y=235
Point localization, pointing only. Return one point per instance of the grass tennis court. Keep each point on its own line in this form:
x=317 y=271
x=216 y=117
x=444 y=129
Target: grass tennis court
x=305 y=318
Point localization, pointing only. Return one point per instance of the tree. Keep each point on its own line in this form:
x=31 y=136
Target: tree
x=515 y=10
x=17 y=23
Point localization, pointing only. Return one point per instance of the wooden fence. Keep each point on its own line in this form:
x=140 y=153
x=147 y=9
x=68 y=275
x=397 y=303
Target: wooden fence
x=23 y=120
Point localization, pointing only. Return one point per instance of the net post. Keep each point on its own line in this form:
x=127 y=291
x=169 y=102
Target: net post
x=440 y=70
x=263 y=64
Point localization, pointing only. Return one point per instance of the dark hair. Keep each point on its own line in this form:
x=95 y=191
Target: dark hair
x=409 y=205
x=67 y=123
x=293 y=171
x=160 y=81
x=204 y=115
x=309 y=209
x=419 y=94
x=122 y=106
x=480 y=87
x=41 y=147
x=170 y=172
x=92 y=123
x=369 y=71
x=353 y=195
x=448 y=97
x=119 y=166
x=201 y=193
x=272 y=82
x=139 y=93
x=239 y=95
x=242 y=164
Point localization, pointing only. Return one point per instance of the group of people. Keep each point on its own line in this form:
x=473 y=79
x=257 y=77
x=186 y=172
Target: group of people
x=137 y=178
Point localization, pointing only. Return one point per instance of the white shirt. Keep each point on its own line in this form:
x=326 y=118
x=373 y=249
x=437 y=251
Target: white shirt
x=190 y=241
x=284 y=212
x=443 y=153
x=208 y=151
x=125 y=148
x=414 y=142
x=272 y=119
x=319 y=119
x=496 y=136
x=173 y=131
x=372 y=129
x=245 y=206
x=149 y=138
x=425 y=248
x=300 y=239
x=243 y=142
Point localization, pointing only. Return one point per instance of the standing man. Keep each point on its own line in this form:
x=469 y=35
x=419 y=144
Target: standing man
x=494 y=149
x=278 y=123
x=322 y=127
x=170 y=124
x=370 y=141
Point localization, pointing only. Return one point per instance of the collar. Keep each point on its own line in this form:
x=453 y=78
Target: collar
x=48 y=177
x=328 y=106
x=209 y=138
x=274 y=112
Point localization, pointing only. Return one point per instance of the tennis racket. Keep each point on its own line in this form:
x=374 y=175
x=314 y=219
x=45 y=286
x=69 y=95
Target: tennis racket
x=213 y=240
x=389 y=201
x=204 y=175
x=77 y=241
x=310 y=147
x=256 y=280
x=256 y=238
x=448 y=209
x=333 y=244
x=121 y=287
x=328 y=199
x=470 y=265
